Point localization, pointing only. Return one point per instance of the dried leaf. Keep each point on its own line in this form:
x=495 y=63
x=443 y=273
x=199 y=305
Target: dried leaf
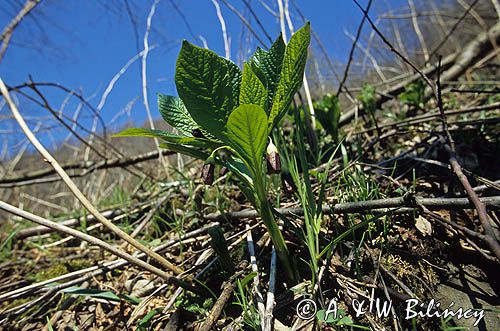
x=423 y=226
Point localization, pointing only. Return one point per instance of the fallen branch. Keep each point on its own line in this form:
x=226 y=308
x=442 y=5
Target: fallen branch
x=368 y=206
x=36 y=177
x=472 y=52
x=429 y=116
x=397 y=89
x=478 y=204
x=449 y=146
x=95 y=241
x=114 y=214
x=270 y=303
x=219 y=305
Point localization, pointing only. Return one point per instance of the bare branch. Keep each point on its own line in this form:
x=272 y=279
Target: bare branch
x=29 y=5
x=353 y=47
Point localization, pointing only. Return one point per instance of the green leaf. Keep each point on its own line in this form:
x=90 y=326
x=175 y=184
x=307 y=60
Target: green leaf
x=248 y=278
x=292 y=73
x=219 y=245
x=209 y=87
x=167 y=136
x=49 y=325
x=247 y=134
x=321 y=316
x=174 y=112
x=267 y=66
x=189 y=151
x=368 y=98
x=146 y=320
x=252 y=91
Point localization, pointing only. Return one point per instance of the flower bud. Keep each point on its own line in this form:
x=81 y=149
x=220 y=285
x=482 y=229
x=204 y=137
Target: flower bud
x=288 y=185
x=207 y=173
x=273 y=159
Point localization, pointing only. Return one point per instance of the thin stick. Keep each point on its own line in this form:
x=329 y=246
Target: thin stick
x=457 y=169
x=145 y=82
x=36 y=176
x=108 y=90
x=267 y=322
x=384 y=39
x=305 y=83
x=9 y=29
x=480 y=207
x=282 y=20
x=76 y=191
x=353 y=47
x=219 y=305
x=369 y=56
x=245 y=21
x=453 y=28
x=227 y=43
x=367 y=206
x=253 y=263
x=99 y=269
x=259 y=23
x=416 y=27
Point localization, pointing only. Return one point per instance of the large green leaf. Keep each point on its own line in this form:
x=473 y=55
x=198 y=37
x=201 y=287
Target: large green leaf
x=167 y=136
x=247 y=134
x=174 y=112
x=209 y=87
x=267 y=65
x=292 y=73
x=252 y=91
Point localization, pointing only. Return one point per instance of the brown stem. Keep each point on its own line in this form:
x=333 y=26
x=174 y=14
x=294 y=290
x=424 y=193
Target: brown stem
x=480 y=207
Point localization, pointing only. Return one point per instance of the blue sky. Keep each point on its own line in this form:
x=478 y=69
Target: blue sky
x=83 y=44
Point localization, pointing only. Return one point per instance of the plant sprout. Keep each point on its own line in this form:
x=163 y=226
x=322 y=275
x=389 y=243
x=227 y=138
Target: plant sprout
x=221 y=108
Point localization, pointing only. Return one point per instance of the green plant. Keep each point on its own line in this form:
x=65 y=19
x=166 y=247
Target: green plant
x=367 y=98
x=226 y=116
x=313 y=212
x=328 y=114
x=414 y=94
x=369 y=101
x=244 y=299
x=447 y=324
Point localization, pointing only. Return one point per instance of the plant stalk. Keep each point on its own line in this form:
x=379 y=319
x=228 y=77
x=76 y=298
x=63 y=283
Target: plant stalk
x=266 y=213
